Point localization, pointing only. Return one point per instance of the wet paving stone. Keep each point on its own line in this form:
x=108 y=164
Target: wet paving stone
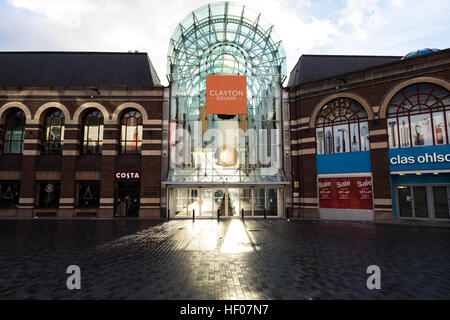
x=230 y=259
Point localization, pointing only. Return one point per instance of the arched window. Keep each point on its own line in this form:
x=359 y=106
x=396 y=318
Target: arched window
x=93 y=132
x=53 y=132
x=131 y=132
x=342 y=126
x=14 y=132
x=419 y=115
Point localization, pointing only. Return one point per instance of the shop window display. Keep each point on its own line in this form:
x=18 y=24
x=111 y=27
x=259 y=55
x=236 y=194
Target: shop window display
x=342 y=127
x=416 y=116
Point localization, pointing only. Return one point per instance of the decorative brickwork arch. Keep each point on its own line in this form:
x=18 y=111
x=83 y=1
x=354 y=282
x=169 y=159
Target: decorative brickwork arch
x=387 y=99
x=357 y=98
x=4 y=109
x=41 y=110
x=129 y=105
x=89 y=105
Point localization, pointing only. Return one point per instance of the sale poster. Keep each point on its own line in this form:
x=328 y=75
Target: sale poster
x=345 y=193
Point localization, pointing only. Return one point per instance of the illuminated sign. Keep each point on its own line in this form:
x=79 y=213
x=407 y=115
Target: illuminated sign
x=226 y=94
x=128 y=175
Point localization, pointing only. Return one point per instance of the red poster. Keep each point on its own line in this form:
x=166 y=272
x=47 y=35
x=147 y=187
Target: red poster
x=345 y=193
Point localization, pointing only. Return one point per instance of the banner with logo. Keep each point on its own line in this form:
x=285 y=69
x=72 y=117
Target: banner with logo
x=226 y=94
x=345 y=193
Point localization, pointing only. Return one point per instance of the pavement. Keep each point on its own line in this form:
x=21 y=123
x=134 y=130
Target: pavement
x=230 y=259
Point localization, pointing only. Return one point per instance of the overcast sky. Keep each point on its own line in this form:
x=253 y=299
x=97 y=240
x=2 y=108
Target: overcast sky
x=375 y=27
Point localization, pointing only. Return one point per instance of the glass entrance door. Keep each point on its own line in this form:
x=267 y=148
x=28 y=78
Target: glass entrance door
x=227 y=202
x=441 y=199
x=127 y=199
x=424 y=202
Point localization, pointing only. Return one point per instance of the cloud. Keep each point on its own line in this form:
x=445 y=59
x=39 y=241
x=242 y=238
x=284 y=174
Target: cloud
x=326 y=27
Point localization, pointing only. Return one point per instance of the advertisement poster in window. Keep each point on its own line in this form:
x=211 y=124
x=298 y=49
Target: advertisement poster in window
x=345 y=193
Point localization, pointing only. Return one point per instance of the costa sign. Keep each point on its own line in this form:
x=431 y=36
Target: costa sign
x=226 y=94
x=128 y=175
x=345 y=193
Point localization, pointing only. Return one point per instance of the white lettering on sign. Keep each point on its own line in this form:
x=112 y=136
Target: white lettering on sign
x=343 y=184
x=127 y=175
x=324 y=184
x=426 y=158
x=366 y=183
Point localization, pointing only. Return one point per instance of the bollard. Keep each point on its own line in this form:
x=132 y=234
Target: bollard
x=287 y=214
x=193 y=215
x=168 y=214
x=218 y=214
x=242 y=211
x=265 y=213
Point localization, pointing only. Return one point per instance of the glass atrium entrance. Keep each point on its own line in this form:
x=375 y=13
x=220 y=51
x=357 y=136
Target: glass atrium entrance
x=226 y=202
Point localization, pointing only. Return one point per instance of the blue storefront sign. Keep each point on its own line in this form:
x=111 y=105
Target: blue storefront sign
x=420 y=158
x=347 y=162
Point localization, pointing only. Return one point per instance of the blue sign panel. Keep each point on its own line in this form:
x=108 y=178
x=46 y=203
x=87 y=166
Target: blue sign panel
x=346 y=162
x=420 y=158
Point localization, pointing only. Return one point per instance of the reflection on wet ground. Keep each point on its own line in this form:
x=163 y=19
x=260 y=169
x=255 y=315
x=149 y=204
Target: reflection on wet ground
x=230 y=259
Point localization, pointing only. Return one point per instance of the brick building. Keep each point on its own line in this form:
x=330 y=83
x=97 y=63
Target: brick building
x=70 y=123
x=371 y=120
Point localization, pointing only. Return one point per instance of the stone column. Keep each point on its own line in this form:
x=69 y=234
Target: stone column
x=107 y=184
x=70 y=153
x=31 y=152
x=379 y=152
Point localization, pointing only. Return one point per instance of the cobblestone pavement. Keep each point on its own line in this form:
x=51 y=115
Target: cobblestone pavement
x=144 y=259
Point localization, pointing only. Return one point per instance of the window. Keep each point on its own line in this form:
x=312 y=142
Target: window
x=88 y=194
x=419 y=115
x=48 y=194
x=131 y=132
x=93 y=133
x=14 y=132
x=54 y=132
x=9 y=194
x=342 y=126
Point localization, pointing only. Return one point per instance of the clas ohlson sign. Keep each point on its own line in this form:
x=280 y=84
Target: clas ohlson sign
x=420 y=158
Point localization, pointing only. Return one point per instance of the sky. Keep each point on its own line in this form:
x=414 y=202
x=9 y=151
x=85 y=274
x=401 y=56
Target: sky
x=357 y=27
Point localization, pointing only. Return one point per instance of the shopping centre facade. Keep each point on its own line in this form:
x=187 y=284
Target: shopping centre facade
x=349 y=137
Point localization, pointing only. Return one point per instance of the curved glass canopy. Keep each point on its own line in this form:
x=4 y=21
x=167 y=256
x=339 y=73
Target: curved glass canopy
x=419 y=52
x=225 y=39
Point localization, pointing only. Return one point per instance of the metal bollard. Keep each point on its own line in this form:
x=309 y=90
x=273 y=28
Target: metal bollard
x=242 y=212
x=218 y=214
x=287 y=214
x=168 y=214
x=193 y=215
x=265 y=213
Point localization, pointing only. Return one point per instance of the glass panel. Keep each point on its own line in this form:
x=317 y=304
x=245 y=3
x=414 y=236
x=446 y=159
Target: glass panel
x=328 y=140
x=420 y=202
x=272 y=202
x=392 y=132
x=319 y=140
x=181 y=202
x=421 y=130
x=354 y=136
x=89 y=194
x=48 y=194
x=364 y=130
x=404 y=201
x=439 y=128
x=207 y=202
x=259 y=199
x=341 y=138
x=404 y=132
x=9 y=194
x=219 y=202
x=440 y=196
x=193 y=203
x=246 y=201
x=233 y=202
